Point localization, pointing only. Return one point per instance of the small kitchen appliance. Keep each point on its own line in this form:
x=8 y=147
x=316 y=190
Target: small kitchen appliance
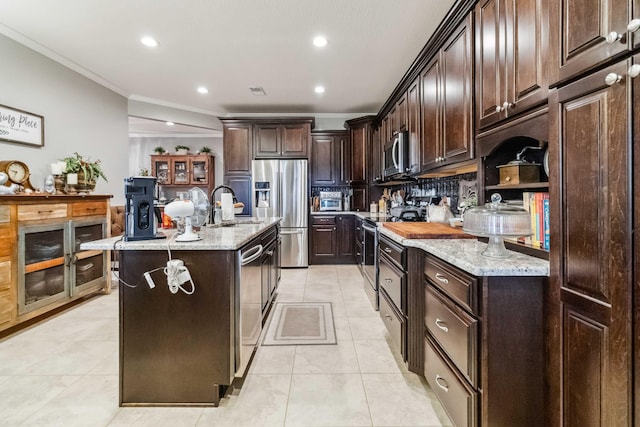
x=140 y=221
x=330 y=201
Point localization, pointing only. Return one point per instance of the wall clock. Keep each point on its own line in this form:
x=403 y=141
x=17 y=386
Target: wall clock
x=17 y=172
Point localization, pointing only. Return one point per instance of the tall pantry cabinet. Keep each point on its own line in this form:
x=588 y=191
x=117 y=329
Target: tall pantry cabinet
x=594 y=295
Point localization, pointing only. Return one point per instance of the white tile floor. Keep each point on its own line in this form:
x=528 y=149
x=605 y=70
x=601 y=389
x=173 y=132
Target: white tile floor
x=64 y=371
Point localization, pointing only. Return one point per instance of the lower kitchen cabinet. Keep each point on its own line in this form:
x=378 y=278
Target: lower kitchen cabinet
x=41 y=264
x=331 y=240
x=483 y=341
x=392 y=285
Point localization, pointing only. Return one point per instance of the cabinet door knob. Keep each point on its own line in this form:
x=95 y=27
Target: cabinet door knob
x=613 y=37
x=634 y=25
x=507 y=105
x=499 y=108
x=387 y=250
x=612 y=78
x=634 y=71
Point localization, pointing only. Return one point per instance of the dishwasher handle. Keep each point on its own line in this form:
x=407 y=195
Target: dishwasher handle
x=252 y=254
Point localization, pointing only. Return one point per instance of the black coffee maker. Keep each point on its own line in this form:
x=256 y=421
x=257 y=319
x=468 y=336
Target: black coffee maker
x=139 y=209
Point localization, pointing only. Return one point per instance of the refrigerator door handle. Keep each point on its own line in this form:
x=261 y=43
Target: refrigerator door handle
x=286 y=233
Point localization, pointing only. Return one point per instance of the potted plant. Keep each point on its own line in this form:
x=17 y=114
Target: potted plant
x=204 y=150
x=159 y=150
x=182 y=149
x=88 y=171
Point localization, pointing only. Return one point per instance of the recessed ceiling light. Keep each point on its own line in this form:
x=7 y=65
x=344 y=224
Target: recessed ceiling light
x=149 y=41
x=319 y=89
x=320 y=41
x=203 y=89
x=170 y=123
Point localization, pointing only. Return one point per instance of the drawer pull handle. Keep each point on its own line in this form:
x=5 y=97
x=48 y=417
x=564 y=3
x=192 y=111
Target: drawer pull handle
x=45 y=212
x=388 y=317
x=442 y=278
x=387 y=250
x=388 y=280
x=92 y=209
x=440 y=381
x=440 y=324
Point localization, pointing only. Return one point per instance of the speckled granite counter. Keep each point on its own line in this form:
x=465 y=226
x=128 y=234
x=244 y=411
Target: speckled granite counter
x=214 y=237
x=466 y=255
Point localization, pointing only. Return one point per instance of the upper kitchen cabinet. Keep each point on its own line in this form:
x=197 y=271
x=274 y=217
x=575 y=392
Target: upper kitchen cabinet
x=399 y=115
x=330 y=159
x=446 y=101
x=586 y=34
x=511 y=53
x=238 y=147
x=361 y=132
x=284 y=139
x=413 y=124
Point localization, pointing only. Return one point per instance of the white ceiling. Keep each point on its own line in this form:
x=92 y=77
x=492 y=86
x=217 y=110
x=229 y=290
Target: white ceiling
x=230 y=45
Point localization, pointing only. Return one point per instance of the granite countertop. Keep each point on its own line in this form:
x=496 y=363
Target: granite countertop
x=214 y=237
x=466 y=255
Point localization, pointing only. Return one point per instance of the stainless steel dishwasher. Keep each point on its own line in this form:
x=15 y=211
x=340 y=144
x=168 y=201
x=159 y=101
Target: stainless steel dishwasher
x=248 y=315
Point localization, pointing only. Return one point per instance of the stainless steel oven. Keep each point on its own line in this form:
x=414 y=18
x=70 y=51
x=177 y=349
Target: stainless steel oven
x=368 y=261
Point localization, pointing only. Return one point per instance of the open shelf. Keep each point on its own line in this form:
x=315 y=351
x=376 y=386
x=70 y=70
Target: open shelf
x=517 y=186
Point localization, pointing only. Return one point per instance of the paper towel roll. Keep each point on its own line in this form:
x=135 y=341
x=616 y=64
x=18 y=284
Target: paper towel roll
x=226 y=200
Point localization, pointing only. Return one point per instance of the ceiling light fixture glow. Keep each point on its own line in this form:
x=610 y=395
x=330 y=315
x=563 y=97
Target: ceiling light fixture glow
x=203 y=89
x=320 y=41
x=149 y=41
x=319 y=89
x=170 y=123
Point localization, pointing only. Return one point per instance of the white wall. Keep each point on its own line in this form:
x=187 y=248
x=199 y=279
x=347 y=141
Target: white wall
x=79 y=115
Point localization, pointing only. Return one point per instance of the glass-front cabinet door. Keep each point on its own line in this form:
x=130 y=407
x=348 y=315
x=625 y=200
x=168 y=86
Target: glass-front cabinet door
x=161 y=169
x=199 y=171
x=42 y=276
x=180 y=171
x=87 y=268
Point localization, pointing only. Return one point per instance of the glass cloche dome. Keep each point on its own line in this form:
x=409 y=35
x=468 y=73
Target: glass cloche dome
x=497 y=220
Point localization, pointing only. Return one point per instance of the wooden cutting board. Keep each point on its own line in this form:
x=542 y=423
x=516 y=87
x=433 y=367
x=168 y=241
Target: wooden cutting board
x=426 y=230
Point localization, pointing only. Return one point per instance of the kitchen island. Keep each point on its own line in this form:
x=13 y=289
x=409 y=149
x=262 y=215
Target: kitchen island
x=184 y=346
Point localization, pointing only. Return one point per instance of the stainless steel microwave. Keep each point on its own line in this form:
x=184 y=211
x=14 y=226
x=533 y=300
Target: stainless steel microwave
x=396 y=155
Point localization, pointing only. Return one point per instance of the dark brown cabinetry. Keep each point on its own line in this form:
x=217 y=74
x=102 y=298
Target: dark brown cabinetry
x=392 y=284
x=361 y=132
x=483 y=345
x=282 y=140
x=413 y=125
x=586 y=34
x=591 y=266
x=511 y=54
x=332 y=240
x=447 y=101
x=237 y=147
x=330 y=158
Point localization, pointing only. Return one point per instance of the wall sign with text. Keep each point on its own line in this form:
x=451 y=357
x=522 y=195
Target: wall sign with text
x=21 y=127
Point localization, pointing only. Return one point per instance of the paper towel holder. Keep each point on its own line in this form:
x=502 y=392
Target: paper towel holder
x=213 y=201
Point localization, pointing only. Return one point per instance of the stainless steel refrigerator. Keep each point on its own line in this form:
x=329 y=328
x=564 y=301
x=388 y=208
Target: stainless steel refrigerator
x=280 y=189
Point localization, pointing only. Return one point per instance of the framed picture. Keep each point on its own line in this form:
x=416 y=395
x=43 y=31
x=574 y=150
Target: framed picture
x=21 y=127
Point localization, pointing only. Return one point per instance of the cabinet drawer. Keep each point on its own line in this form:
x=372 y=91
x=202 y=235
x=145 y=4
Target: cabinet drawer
x=5 y=276
x=393 y=321
x=458 y=399
x=7 y=241
x=461 y=287
x=5 y=214
x=392 y=250
x=455 y=331
x=40 y=212
x=393 y=282
x=88 y=208
x=324 y=220
x=7 y=302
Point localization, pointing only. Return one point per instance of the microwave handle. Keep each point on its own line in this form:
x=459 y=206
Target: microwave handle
x=394 y=153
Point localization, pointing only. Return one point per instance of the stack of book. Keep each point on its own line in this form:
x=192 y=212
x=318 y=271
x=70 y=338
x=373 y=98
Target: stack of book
x=537 y=204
